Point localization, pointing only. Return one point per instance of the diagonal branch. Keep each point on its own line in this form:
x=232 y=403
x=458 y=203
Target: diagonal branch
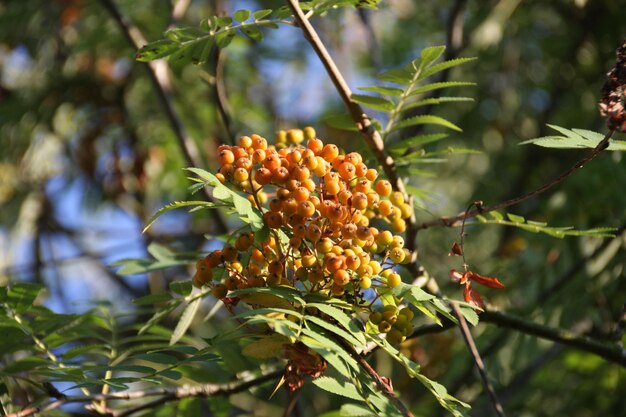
x=453 y=221
x=157 y=72
x=363 y=123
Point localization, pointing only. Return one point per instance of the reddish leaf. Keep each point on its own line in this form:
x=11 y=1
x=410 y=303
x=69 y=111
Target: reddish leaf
x=471 y=296
x=456 y=250
x=486 y=281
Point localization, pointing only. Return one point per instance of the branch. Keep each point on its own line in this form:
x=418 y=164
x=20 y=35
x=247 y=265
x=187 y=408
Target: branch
x=450 y=222
x=362 y=121
x=167 y=394
x=469 y=340
x=157 y=72
x=611 y=353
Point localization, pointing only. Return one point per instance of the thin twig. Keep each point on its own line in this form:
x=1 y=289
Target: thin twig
x=469 y=340
x=452 y=221
x=157 y=72
x=167 y=394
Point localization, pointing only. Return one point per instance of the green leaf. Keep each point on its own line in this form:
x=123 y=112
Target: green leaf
x=185 y=320
x=159 y=315
x=496 y=215
x=335 y=329
x=161 y=358
x=25 y=364
x=438 y=86
x=260 y=14
x=342 y=318
x=402 y=75
x=575 y=139
x=355 y=410
x=341 y=121
x=428 y=56
x=416 y=141
x=376 y=103
x=181 y=287
x=253 y=32
x=223 y=39
x=387 y=91
x=157 y=49
x=242 y=15
x=445 y=65
x=515 y=219
x=435 y=101
x=175 y=205
x=426 y=119
x=343 y=388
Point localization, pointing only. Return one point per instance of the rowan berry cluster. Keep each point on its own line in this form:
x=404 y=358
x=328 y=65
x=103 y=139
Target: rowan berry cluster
x=321 y=210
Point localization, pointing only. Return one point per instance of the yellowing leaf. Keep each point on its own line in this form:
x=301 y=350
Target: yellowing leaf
x=267 y=347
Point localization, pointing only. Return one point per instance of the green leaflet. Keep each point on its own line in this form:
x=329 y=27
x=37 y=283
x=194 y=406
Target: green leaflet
x=575 y=139
x=542 y=227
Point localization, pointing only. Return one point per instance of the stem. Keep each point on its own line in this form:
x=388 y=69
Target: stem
x=451 y=221
x=469 y=340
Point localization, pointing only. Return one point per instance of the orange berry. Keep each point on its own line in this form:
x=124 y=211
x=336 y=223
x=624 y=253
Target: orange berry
x=313 y=233
x=329 y=152
x=300 y=194
x=280 y=175
x=334 y=263
x=299 y=230
x=239 y=152
x=371 y=174
x=341 y=277
x=306 y=209
x=263 y=176
x=290 y=206
x=240 y=175
x=315 y=145
x=353 y=262
x=213 y=259
x=363 y=186
x=394 y=280
x=244 y=242
x=349 y=230
x=361 y=170
x=244 y=163
x=331 y=187
x=226 y=156
x=310 y=162
x=283 y=194
x=245 y=142
x=359 y=201
x=309 y=184
x=343 y=196
x=275 y=267
x=301 y=173
x=229 y=253
x=309 y=261
x=219 y=291
x=398 y=225
x=383 y=188
x=273 y=219
x=324 y=245
x=372 y=199
x=396 y=198
x=258 y=142
x=272 y=162
x=385 y=208
x=258 y=155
